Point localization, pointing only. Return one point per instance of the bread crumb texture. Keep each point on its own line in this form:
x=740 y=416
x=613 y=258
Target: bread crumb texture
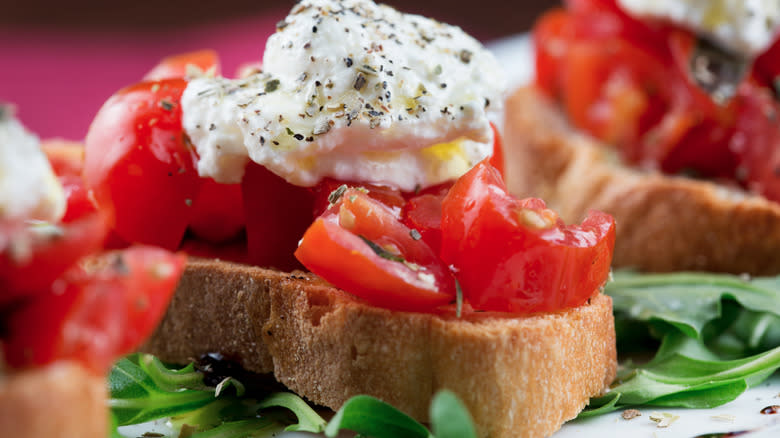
x=519 y=376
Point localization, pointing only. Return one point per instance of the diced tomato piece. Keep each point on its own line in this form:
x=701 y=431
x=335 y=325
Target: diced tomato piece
x=757 y=141
x=423 y=214
x=497 y=158
x=360 y=246
x=391 y=197
x=277 y=214
x=550 y=45
x=79 y=203
x=94 y=313
x=517 y=256
x=217 y=212
x=176 y=66
x=66 y=158
x=52 y=250
x=140 y=164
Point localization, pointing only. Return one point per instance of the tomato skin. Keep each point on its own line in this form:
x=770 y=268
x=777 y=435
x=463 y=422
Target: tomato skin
x=66 y=158
x=627 y=82
x=516 y=256
x=389 y=196
x=756 y=142
x=51 y=256
x=550 y=44
x=497 y=158
x=767 y=67
x=423 y=213
x=218 y=212
x=277 y=214
x=334 y=248
x=94 y=316
x=175 y=66
x=140 y=165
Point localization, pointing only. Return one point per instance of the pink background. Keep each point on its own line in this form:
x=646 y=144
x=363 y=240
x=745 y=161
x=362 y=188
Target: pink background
x=58 y=80
x=59 y=61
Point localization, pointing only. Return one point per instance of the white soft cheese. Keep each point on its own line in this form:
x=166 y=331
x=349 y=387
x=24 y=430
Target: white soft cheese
x=355 y=91
x=29 y=190
x=742 y=26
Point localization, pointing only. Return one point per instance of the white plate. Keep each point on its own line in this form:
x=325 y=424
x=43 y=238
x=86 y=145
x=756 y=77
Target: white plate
x=515 y=54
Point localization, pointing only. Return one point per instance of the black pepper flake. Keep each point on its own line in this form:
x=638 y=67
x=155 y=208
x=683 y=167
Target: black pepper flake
x=465 y=56
x=307 y=45
x=487 y=102
x=212 y=127
x=298 y=137
x=271 y=85
x=262 y=140
x=348 y=61
x=166 y=104
x=374 y=113
x=310 y=139
x=314 y=29
x=317 y=83
x=276 y=143
x=443 y=85
x=776 y=86
x=360 y=82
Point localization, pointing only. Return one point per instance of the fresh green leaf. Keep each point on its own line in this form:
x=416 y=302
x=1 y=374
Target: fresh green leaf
x=689 y=300
x=450 y=418
x=251 y=428
x=685 y=374
x=137 y=397
x=719 y=337
x=308 y=420
x=369 y=416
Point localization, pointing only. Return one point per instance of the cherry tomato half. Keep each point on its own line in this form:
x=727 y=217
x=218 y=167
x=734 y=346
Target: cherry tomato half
x=277 y=214
x=517 y=256
x=176 y=66
x=140 y=165
x=96 y=313
x=53 y=248
x=359 y=245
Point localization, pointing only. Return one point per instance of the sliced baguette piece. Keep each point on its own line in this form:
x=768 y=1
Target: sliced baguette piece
x=664 y=223
x=59 y=400
x=518 y=376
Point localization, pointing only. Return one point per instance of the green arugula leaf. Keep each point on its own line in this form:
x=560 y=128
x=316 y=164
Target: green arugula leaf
x=308 y=420
x=137 y=397
x=450 y=418
x=718 y=333
x=251 y=428
x=689 y=300
x=368 y=416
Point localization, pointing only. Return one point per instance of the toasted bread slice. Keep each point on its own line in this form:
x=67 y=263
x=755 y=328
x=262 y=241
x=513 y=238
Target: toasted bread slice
x=519 y=376
x=58 y=400
x=664 y=223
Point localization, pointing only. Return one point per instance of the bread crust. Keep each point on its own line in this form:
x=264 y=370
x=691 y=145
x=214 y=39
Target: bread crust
x=664 y=223
x=519 y=376
x=59 y=400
